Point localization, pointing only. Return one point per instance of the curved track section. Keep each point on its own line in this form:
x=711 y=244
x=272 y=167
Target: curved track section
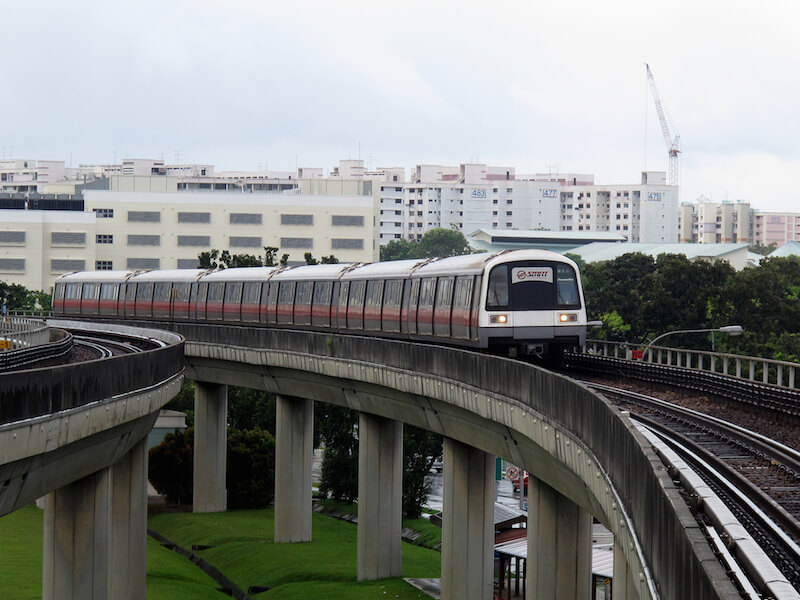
x=61 y=423
x=566 y=435
x=744 y=469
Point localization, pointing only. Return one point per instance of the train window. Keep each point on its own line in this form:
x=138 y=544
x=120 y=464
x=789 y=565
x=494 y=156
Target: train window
x=91 y=291
x=59 y=293
x=567 y=287
x=233 y=292
x=144 y=292
x=357 y=289
x=271 y=297
x=426 y=292
x=532 y=286
x=251 y=292
x=444 y=292
x=216 y=291
x=161 y=291
x=130 y=293
x=73 y=291
x=286 y=293
x=322 y=293
x=497 y=292
x=202 y=293
x=109 y=291
x=303 y=295
x=462 y=295
x=374 y=293
x=180 y=292
x=392 y=295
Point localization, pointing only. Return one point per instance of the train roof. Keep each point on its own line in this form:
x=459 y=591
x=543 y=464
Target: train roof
x=242 y=274
x=178 y=275
x=304 y=272
x=383 y=270
x=92 y=276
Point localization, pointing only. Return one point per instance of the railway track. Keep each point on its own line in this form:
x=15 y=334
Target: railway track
x=757 y=478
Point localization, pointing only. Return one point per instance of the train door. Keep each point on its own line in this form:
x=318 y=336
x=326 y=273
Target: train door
x=251 y=298
x=341 y=309
x=285 y=310
x=408 y=313
x=143 y=305
x=321 y=304
x=109 y=298
x=462 y=301
x=443 y=307
x=232 y=301
x=216 y=295
x=392 y=298
x=200 y=301
x=90 y=299
x=72 y=299
x=427 y=294
x=302 y=302
x=355 y=305
x=162 y=297
x=373 y=301
x=180 y=300
x=270 y=302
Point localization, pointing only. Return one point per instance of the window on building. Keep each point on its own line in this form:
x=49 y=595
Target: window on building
x=103 y=213
x=67 y=237
x=144 y=240
x=297 y=219
x=103 y=238
x=144 y=216
x=194 y=217
x=103 y=265
x=347 y=244
x=245 y=219
x=347 y=220
x=296 y=242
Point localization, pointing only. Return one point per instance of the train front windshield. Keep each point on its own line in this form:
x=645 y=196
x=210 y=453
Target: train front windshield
x=532 y=286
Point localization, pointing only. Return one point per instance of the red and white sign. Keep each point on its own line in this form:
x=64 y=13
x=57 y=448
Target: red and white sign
x=525 y=274
x=512 y=473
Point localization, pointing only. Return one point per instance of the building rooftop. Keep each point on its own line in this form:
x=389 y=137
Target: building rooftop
x=491 y=240
x=598 y=251
x=790 y=248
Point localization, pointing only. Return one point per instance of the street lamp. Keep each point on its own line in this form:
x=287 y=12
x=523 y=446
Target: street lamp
x=729 y=329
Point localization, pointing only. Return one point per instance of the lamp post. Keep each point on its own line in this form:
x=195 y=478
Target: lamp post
x=729 y=329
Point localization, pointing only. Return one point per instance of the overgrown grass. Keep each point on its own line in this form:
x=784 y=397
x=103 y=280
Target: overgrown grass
x=323 y=568
x=430 y=535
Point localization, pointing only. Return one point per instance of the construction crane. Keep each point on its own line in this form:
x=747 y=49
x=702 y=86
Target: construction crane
x=673 y=144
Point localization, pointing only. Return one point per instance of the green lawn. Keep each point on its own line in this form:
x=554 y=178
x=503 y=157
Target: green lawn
x=243 y=550
x=323 y=568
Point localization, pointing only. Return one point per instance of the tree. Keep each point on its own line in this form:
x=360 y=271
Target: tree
x=337 y=430
x=443 y=242
x=398 y=250
x=170 y=468
x=250 y=468
x=17 y=297
x=420 y=449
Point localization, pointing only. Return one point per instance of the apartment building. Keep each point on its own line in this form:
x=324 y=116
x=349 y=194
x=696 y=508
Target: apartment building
x=775 y=228
x=707 y=222
x=476 y=196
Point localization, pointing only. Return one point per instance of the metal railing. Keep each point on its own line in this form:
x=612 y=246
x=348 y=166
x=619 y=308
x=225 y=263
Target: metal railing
x=782 y=374
x=17 y=333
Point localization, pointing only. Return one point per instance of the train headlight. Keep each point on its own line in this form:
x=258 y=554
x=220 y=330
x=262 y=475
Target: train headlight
x=567 y=317
x=498 y=319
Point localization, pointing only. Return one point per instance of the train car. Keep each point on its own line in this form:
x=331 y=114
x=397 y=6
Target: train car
x=520 y=302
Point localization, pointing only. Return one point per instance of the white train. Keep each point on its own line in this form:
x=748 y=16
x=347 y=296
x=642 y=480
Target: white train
x=516 y=302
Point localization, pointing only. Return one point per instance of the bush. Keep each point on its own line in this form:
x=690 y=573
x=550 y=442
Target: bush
x=250 y=467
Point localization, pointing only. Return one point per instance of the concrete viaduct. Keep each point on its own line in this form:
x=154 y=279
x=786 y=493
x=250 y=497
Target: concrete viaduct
x=585 y=457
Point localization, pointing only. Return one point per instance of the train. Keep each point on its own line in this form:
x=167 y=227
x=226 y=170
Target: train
x=511 y=302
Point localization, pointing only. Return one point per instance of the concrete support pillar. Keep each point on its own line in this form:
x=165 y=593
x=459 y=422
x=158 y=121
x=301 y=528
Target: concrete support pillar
x=95 y=534
x=380 y=496
x=210 y=447
x=76 y=540
x=467 y=523
x=128 y=551
x=622 y=587
x=294 y=441
x=559 y=546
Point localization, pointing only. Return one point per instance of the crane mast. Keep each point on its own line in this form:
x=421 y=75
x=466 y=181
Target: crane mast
x=673 y=144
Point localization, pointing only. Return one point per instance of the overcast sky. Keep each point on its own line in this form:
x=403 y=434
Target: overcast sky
x=540 y=86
